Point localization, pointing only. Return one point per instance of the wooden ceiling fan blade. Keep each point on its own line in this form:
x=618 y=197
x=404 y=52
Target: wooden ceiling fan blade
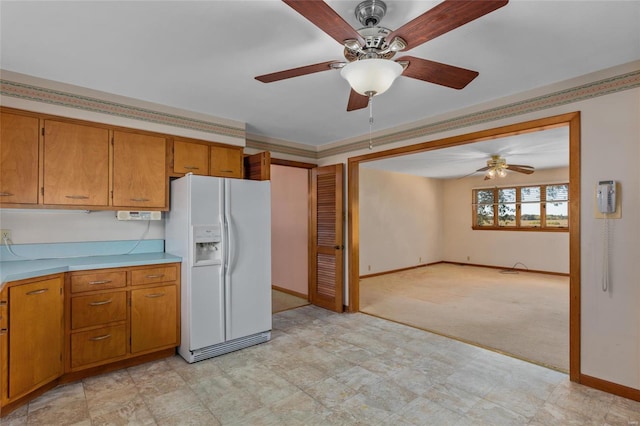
x=295 y=72
x=484 y=169
x=357 y=101
x=520 y=169
x=443 y=18
x=324 y=17
x=437 y=73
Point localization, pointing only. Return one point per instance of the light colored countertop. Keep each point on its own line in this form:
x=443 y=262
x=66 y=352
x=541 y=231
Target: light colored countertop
x=13 y=270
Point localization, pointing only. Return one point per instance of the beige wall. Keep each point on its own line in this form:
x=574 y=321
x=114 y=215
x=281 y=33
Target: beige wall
x=540 y=251
x=400 y=221
x=289 y=228
x=410 y=220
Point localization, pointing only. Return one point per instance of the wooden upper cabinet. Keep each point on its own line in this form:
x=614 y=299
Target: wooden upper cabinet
x=139 y=171
x=190 y=158
x=76 y=164
x=226 y=162
x=18 y=159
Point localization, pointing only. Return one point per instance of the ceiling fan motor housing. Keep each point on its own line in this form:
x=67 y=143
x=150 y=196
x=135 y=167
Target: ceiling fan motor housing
x=370 y=12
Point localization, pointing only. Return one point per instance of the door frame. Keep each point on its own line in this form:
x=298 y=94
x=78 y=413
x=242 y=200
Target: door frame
x=572 y=120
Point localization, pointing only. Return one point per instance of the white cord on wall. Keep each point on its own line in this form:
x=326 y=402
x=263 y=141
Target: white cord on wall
x=7 y=242
x=605 y=254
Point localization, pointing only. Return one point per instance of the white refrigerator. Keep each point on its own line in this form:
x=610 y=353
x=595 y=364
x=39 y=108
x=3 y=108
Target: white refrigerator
x=222 y=230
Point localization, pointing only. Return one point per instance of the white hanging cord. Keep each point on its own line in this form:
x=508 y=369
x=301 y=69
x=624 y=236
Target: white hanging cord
x=370 y=120
x=605 y=254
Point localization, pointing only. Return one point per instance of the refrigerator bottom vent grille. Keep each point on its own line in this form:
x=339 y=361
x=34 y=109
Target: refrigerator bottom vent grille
x=230 y=346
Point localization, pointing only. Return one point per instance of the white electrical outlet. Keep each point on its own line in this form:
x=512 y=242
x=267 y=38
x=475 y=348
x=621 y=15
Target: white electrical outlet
x=5 y=234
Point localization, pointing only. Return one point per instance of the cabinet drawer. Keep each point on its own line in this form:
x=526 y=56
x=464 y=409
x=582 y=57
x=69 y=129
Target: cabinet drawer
x=97 y=345
x=154 y=275
x=98 y=309
x=98 y=281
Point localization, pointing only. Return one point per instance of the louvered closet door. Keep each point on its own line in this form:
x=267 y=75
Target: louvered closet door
x=326 y=263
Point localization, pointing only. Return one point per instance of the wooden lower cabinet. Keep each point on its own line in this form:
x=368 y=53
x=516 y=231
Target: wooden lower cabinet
x=93 y=347
x=64 y=327
x=119 y=313
x=153 y=318
x=31 y=335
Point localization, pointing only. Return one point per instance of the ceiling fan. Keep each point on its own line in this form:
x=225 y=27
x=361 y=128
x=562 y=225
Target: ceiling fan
x=369 y=67
x=497 y=167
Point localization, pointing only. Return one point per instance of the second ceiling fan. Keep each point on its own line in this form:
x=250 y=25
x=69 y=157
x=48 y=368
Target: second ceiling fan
x=379 y=43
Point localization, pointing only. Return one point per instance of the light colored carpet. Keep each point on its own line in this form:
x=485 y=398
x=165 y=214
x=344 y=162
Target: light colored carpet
x=524 y=314
x=281 y=301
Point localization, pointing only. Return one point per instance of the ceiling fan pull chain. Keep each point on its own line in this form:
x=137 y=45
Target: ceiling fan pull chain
x=370 y=120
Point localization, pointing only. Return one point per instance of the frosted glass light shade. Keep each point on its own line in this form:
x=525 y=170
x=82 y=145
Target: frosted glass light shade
x=371 y=75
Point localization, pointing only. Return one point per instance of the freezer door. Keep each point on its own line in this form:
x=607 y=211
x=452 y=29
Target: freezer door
x=206 y=316
x=248 y=274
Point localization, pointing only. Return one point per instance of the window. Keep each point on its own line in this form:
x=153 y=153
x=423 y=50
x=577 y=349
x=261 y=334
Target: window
x=531 y=207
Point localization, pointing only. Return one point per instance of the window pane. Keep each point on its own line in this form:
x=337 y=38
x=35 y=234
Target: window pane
x=484 y=196
x=530 y=193
x=557 y=214
x=530 y=215
x=484 y=215
x=557 y=193
x=507 y=214
x=507 y=195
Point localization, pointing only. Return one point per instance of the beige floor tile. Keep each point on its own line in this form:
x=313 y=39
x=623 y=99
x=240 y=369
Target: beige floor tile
x=323 y=368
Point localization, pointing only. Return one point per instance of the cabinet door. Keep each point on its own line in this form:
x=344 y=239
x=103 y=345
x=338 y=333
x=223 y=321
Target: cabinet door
x=76 y=164
x=18 y=159
x=139 y=171
x=190 y=158
x=154 y=322
x=36 y=332
x=226 y=162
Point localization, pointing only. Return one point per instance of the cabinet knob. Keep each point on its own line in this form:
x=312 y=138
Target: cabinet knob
x=99 y=282
x=100 y=303
x=95 y=339
x=153 y=296
x=34 y=292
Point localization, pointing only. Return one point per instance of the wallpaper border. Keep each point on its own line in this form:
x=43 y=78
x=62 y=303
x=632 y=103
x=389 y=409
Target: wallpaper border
x=86 y=103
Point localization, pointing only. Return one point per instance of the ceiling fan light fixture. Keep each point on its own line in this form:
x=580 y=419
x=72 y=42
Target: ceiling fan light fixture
x=501 y=172
x=370 y=77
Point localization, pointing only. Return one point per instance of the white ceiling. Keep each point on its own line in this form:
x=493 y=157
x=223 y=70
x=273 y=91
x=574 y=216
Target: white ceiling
x=202 y=56
x=545 y=149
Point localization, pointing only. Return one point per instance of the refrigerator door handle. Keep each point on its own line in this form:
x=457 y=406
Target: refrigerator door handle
x=228 y=257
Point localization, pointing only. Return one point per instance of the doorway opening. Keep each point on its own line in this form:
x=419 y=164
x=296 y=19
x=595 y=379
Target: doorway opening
x=572 y=122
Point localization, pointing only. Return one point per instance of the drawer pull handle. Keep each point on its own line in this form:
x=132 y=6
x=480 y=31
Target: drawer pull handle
x=192 y=167
x=5 y=194
x=77 y=197
x=103 y=302
x=3 y=331
x=154 y=295
x=34 y=292
x=139 y=199
x=95 y=339
x=226 y=171
x=154 y=276
x=99 y=282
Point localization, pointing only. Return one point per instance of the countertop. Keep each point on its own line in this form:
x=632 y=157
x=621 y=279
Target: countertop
x=13 y=270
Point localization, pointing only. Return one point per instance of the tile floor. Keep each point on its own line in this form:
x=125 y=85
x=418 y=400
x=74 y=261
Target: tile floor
x=322 y=368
